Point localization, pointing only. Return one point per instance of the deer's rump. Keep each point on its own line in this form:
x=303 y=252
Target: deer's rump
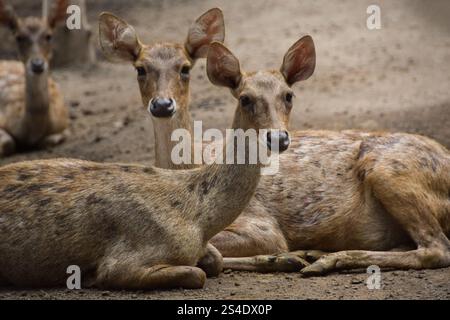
x=58 y=213
x=322 y=198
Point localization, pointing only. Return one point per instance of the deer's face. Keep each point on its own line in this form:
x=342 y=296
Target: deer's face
x=34 y=35
x=163 y=73
x=265 y=98
x=265 y=101
x=34 y=41
x=162 y=69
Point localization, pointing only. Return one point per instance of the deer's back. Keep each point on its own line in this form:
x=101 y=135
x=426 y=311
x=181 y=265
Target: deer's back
x=61 y=212
x=322 y=196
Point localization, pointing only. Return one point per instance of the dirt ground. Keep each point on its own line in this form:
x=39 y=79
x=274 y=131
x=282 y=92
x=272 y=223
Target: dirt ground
x=396 y=79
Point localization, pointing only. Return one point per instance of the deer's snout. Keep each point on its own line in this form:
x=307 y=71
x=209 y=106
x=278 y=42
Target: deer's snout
x=278 y=140
x=162 y=107
x=37 y=65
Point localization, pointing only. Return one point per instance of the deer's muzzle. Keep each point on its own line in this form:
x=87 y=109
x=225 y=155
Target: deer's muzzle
x=162 y=107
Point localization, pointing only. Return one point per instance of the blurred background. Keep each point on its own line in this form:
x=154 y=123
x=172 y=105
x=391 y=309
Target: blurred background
x=396 y=78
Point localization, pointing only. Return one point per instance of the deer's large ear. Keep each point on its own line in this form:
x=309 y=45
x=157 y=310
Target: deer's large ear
x=57 y=13
x=206 y=29
x=223 y=67
x=300 y=61
x=118 y=39
x=8 y=17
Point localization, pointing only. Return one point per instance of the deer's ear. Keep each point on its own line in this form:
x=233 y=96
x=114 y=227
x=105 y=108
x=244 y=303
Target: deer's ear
x=223 y=67
x=8 y=17
x=206 y=29
x=118 y=39
x=57 y=13
x=300 y=61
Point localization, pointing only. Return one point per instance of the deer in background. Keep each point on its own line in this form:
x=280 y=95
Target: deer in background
x=163 y=72
x=129 y=226
x=32 y=110
x=73 y=48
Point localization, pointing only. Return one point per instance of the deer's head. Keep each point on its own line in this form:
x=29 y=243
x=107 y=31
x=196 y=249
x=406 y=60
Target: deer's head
x=163 y=69
x=265 y=97
x=34 y=34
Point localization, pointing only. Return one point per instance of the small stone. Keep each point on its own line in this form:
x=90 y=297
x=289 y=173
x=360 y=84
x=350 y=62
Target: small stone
x=357 y=281
x=227 y=271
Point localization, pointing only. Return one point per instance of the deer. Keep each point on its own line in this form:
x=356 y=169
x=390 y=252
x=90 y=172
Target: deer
x=362 y=197
x=342 y=200
x=32 y=109
x=131 y=226
x=163 y=73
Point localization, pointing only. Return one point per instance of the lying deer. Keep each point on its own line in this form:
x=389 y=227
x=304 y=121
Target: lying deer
x=363 y=192
x=163 y=72
x=32 y=110
x=128 y=226
x=370 y=198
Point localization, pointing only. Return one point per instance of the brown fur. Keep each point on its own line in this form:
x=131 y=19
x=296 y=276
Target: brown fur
x=340 y=191
x=125 y=226
x=162 y=63
x=353 y=193
x=32 y=110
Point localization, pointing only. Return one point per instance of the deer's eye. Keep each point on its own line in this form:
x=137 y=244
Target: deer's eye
x=21 y=38
x=185 y=71
x=48 y=37
x=246 y=102
x=289 y=97
x=141 y=71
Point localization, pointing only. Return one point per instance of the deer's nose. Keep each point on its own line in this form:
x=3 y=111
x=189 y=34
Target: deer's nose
x=37 y=65
x=162 y=107
x=278 y=140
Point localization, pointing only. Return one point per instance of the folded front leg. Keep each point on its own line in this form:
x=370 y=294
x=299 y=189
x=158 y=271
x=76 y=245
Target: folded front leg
x=211 y=262
x=284 y=262
x=155 y=277
x=7 y=144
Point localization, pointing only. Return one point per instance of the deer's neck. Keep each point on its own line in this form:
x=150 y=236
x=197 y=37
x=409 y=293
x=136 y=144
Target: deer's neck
x=224 y=190
x=37 y=105
x=163 y=129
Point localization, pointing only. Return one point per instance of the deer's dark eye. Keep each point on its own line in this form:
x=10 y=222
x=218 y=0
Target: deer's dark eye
x=246 y=102
x=48 y=37
x=141 y=71
x=185 y=71
x=21 y=38
x=289 y=97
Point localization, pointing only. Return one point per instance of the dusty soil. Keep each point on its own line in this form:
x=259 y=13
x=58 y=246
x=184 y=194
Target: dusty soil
x=396 y=78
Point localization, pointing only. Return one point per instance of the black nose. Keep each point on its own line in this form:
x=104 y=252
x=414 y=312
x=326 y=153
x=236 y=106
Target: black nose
x=162 y=107
x=37 y=65
x=278 y=140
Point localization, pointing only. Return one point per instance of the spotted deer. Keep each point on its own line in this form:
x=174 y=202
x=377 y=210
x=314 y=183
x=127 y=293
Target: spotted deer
x=32 y=110
x=365 y=198
x=127 y=226
x=163 y=72
x=362 y=196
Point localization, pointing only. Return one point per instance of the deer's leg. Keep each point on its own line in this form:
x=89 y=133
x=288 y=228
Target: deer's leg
x=354 y=259
x=211 y=262
x=413 y=206
x=7 y=143
x=54 y=139
x=284 y=262
x=147 y=278
x=251 y=236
